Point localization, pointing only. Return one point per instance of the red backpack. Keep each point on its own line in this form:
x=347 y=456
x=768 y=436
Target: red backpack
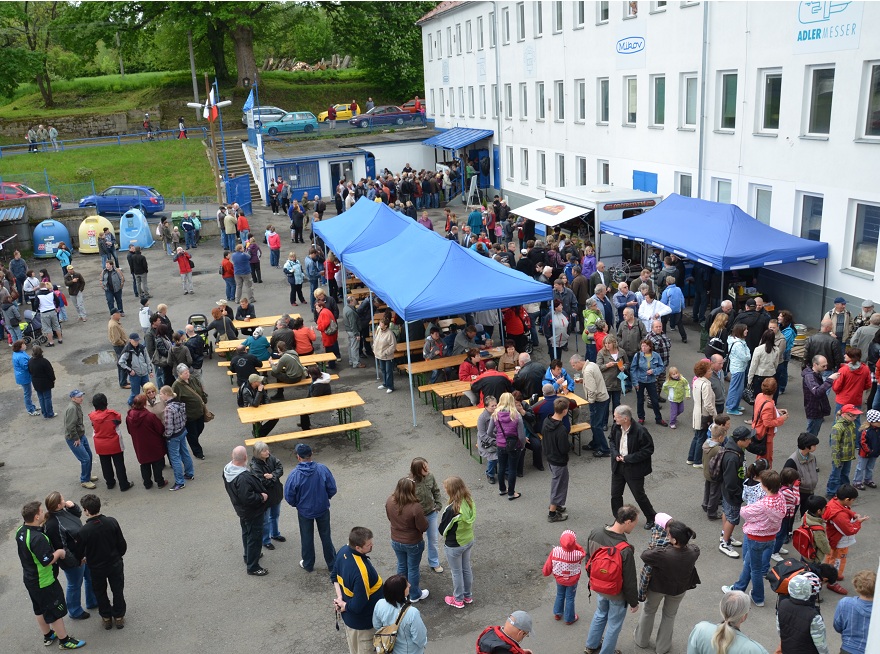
x=605 y=569
x=802 y=540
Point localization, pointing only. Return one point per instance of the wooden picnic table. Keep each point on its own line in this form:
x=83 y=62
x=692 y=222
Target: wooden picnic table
x=446 y=323
x=320 y=359
x=259 y=321
x=342 y=403
x=420 y=368
x=452 y=388
x=358 y=292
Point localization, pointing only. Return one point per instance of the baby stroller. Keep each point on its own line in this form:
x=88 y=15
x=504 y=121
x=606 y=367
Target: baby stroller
x=199 y=321
x=32 y=329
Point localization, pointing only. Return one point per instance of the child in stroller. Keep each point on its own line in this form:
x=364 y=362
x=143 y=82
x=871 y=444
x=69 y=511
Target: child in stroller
x=32 y=329
x=199 y=321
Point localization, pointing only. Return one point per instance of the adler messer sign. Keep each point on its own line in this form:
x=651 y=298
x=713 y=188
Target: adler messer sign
x=827 y=26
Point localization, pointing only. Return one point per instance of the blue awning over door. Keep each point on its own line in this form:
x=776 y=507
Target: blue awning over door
x=457 y=137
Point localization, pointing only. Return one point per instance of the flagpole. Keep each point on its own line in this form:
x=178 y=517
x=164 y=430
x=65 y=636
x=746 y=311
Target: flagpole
x=222 y=139
x=214 y=162
x=261 y=150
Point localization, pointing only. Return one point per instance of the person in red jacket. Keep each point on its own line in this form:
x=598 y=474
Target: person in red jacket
x=515 y=319
x=327 y=321
x=471 y=367
x=841 y=525
x=108 y=442
x=564 y=563
x=243 y=228
x=147 y=433
x=184 y=263
x=854 y=380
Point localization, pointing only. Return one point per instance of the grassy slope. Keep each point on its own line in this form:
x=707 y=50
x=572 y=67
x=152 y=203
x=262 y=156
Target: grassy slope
x=175 y=168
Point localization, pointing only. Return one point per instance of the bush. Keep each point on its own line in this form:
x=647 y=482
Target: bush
x=84 y=174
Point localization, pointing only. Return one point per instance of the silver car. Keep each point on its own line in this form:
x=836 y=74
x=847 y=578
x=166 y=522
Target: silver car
x=264 y=115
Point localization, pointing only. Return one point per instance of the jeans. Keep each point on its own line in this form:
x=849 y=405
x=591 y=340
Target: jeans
x=607 y=620
x=28 y=397
x=784 y=532
x=270 y=523
x=274 y=257
x=45 y=400
x=251 y=537
x=838 y=476
x=16 y=332
x=734 y=391
x=695 y=453
x=114 y=301
x=178 y=454
x=83 y=454
x=121 y=372
x=230 y=288
x=307 y=540
x=507 y=463
x=334 y=349
x=814 y=425
x=80 y=304
x=386 y=367
x=75 y=578
x=115 y=577
x=675 y=320
x=756 y=562
x=245 y=234
x=491 y=467
x=189 y=237
x=598 y=420
x=459 y=561
x=136 y=381
x=655 y=400
x=864 y=470
x=313 y=286
x=433 y=536
x=782 y=373
x=564 y=604
x=408 y=558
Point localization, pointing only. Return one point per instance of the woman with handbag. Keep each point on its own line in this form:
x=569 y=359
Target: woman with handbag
x=188 y=390
x=704 y=411
x=510 y=439
x=764 y=362
x=399 y=625
x=62 y=526
x=767 y=418
x=718 y=333
x=269 y=470
x=293 y=269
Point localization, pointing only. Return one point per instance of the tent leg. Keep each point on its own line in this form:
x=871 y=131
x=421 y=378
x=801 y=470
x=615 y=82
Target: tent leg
x=376 y=361
x=723 y=294
x=553 y=330
x=501 y=327
x=824 y=285
x=412 y=397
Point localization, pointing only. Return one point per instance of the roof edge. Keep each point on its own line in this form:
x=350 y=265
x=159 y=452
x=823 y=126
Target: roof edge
x=440 y=9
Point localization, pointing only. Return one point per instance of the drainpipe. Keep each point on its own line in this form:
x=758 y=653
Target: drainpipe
x=704 y=63
x=498 y=88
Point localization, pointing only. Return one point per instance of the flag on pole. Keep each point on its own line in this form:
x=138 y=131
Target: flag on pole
x=210 y=112
x=249 y=103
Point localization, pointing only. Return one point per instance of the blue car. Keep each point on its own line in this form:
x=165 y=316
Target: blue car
x=295 y=121
x=119 y=199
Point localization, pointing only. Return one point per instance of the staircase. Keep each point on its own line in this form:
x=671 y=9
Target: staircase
x=237 y=165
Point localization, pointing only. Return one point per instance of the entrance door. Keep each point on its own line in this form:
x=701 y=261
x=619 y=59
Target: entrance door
x=341 y=170
x=483 y=165
x=371 y=165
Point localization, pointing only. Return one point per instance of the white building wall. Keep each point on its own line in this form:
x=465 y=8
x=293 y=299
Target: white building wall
x=743 y=37
x=395 y=156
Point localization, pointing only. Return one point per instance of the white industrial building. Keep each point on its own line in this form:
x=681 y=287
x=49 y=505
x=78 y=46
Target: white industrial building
x=773 y=106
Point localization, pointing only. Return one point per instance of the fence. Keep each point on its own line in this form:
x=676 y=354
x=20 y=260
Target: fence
x=118 y=139
x=42 y=183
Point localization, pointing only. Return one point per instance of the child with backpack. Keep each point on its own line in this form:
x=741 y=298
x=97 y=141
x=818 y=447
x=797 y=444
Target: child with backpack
x=752 y=489
x=790 y=492
x=869 y=450
x=712 y=449
x=564 y=563
x=810 y=540
x=842 y=524
x=676 y=389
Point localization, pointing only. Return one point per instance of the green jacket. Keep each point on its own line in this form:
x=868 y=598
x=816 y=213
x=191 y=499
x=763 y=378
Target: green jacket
x=428 y=493
x=590 y=318
x=679 y=387
x=192 y=395
x=463 y=520
x=73 y=422
x=843 y=441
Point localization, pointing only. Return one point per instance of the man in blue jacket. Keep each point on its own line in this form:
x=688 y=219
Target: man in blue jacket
x=674 y=299
x=308 y=489
x=357 y=587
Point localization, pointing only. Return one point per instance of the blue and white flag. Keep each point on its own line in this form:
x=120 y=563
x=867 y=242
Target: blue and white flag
x=249 y=103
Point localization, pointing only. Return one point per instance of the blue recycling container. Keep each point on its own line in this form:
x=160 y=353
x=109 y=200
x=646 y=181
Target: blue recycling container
x=134 y=230
x=48 y=235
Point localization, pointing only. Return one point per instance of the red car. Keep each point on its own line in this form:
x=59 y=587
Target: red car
x=411 y=105
x=13 y=190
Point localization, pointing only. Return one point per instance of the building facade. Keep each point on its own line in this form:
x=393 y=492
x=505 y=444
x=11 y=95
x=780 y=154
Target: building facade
x=773 y=106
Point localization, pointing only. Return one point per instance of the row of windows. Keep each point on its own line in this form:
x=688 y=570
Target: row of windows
x=816 y=121
x=629 y=10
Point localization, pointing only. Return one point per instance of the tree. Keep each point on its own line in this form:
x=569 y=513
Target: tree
x=385 y=39
x=31 y=25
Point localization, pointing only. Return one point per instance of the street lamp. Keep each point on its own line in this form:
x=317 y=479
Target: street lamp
x=246 y=81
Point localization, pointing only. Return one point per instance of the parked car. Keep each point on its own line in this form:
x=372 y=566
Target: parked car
x=343 y=112
x=384 y=115
x=264 y=115
x=295 y=121
x=12 y=190
x=410 y=106
x=119 y=199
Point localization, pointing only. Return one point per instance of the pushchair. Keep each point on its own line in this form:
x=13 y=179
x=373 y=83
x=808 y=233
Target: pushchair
x=199 y=321
x=32 y=329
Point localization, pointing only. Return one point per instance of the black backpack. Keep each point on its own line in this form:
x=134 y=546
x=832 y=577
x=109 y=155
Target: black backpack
x=240 y=395
x=717 y=461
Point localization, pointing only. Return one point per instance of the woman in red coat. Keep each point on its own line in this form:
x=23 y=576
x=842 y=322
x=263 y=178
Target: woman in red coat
x=854 y=380
x=471 y=367
x=767 y=417
x=148 y=436
x=108 y=442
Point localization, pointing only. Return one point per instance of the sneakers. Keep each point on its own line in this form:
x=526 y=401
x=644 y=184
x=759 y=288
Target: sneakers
x=689 y=462
x=735 y=412
x=189 y=477
x=556 y=516
x=177 y=487
x=68 y=643
x=438 y=569
x=782 y=550
x=671 y=427
x=259 y=572
x=454 y=603
x=89 y=484
x=302 y=565
x=735 y=542
x=120 y=623
x=837 y=588
x=755 y=602
x=424 y=595
x=389 y=390
x=776 y=557
x=698 y=465
x=726 y=589
x=35 y=412
x=468 y=600
x=49 y=638
x=724 y=548
x=381 y=387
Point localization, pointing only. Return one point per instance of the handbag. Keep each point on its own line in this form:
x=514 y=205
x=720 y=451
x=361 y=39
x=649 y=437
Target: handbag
x=758 y=445
x=386 y=637
x=749 y=395
x=207 y=416
x=705 y=420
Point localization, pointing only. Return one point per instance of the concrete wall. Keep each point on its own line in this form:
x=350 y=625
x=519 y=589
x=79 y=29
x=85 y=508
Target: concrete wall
x=84 y=126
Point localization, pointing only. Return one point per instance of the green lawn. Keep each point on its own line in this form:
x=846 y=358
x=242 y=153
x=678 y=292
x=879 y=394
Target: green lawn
x=174 y=168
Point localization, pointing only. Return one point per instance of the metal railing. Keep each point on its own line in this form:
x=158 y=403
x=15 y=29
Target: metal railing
x=96 y=141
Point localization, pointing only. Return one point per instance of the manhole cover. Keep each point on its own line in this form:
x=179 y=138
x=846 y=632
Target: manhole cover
x=102 y=358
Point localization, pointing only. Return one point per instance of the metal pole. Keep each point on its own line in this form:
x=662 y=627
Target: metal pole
x=192 y=67
x=214 y=163
x=262 y=150
x=222 y=140
x=412 y=396
x=372 y=318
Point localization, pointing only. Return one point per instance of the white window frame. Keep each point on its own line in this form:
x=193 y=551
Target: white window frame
x=602 y=7
x=630 y=9
x=469 y=36
x=471 y=102
x=508 y=101
x=523 y=101
x=580 y=100
x=630 y=92
x=542 y=169
x=524 y=165
x=451 y=101
x=508 y=150
x=439 y=44
x=652 y=116
x=689 y=3
x=717 y=185
x=580 y=171
x=494 y=101
x=482 y=100
x=763 y=76
x=685 y=79
x=442 y=102
x=808 y=103
x=579 y=14
x=603 y=111
x=558 y=17
x=520 y=21
x=801 y=207
x=461 y=101
x=480 y=41
x=505 y=26
x=539 y=19
x=658 y=6
x=449 y=41
x=433 y=106
x=560 y=170
x=603 y=172
x=679 y=177
x=867 y=113
x=430 y=41
x=540 y=102
x=458 y=38
x=721 y=78
x=757 y=198
x=852 y=224
x=492 y=34
x=559 y=100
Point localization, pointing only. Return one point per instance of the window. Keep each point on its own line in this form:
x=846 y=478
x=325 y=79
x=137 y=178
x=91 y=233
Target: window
x=630 y=100
x=494 y=101
x=557 y=17
x=432 y=105
x=520 y=21
x=458 y=38
x=631 y=9
x=510 y=170
x=559 y=99
x=560 y=170
x=442 y=103
x=508 y=101
x=482 y=101
x=864 y=251
x=872 y=123
x=689 y=100
x=601 y=12
x=722 y=191
x=579 y=14
x=580 y=100
x=449 y=41
x=821 y=93
x=439 y=45
x=602 y=96
x=542 y=169
x=727 y=104
x=471 y=110
x=685 y=185
x=580 y=165
x=604 y=172
x=480 y=32
x=523 y=101
x=505 y=26
x=468 y=36
x=461 y=101
x=811 y=217
x=491 y=29
x=658 y=100
x=771 y=83
x=539 y=19
x=658 y=6
x=540 y=104
x=430 y=48
x=762 y=197
x=451 y=101
x=524 y=165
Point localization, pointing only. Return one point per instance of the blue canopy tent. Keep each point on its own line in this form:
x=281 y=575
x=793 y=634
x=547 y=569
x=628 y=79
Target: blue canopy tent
x=422 y=275
x=367 y=224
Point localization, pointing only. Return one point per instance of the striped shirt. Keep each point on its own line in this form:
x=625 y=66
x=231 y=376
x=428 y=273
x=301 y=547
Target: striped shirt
x=792 y=497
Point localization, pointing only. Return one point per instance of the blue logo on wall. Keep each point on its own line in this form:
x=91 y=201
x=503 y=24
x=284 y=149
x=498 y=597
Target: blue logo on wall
x=630 y=45
x=819 y=12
